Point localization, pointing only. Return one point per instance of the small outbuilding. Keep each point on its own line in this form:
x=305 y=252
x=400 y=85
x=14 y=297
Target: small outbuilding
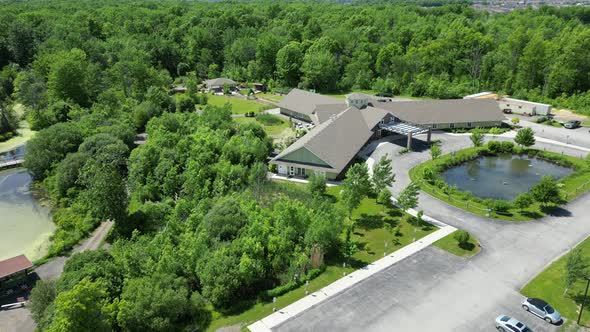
x=216 y=85
x=15 y=265
x=517 y=106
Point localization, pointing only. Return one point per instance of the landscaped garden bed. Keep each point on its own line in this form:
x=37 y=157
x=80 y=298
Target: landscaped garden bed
x=429 y=177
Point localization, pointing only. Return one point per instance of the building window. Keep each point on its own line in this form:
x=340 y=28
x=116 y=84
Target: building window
x=469 y=124
x=382 y=121
x=451 y=125
x=507 y=105
x=434 y=126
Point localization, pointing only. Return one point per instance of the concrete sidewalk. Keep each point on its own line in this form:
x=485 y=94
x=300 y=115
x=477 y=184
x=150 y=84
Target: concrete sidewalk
x=274 y=176
x=266 y=324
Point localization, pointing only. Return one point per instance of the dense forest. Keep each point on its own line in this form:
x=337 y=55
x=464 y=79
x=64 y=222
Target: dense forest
x=197 y=225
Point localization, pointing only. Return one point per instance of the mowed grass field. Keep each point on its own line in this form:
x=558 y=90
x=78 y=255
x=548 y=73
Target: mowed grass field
x=272 y=130
x=549 y=285
x=238 y=105
x=372 y=238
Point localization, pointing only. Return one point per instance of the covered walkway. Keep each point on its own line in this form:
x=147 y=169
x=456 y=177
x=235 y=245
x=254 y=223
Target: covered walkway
x=406 y=129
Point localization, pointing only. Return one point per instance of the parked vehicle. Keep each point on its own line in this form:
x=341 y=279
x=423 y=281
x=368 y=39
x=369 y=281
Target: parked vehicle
x=541 y=309
x=572 y=124
x=508 y=324
x=507 y=111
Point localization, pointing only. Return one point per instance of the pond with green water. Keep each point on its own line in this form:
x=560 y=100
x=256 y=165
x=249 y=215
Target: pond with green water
x=502 y=177
x=25 y=224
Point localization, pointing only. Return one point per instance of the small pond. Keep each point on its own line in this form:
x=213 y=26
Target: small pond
x=25 y=225
x=502 y=177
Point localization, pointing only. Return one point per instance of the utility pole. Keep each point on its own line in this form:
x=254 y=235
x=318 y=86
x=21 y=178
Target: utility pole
x=584 y=300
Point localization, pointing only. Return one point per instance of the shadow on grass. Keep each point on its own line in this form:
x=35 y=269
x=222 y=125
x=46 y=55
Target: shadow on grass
x=368 y=222
x=467 y=246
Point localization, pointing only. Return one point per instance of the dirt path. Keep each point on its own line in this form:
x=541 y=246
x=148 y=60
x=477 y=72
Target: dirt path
x=54 y=268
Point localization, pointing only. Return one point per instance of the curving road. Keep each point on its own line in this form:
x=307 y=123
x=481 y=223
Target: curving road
x=436 y=291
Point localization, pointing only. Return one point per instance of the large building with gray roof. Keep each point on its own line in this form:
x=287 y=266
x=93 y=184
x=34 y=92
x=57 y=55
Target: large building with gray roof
x=344 y=127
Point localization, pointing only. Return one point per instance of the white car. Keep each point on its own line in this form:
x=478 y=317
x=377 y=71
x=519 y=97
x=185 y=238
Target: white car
x=541 y=309
x=507 y=324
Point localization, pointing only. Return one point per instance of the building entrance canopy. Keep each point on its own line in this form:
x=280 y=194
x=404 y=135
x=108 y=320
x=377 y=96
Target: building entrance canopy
x=403 y=128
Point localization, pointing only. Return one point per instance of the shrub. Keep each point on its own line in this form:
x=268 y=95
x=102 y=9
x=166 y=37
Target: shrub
x=497 y=131
x=428 y=175
x=507 y=147
x=273 y=168
x=462 y=237
x=500 y=205
x=515 y=120
x=494 y=146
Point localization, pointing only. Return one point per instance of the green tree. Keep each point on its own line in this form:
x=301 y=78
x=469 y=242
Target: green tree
x=105 y=193
x=575 y=267
x=81 y=309
x=384 y=197
x=356 y=186
x=71 y=77
x=523 y=201
x=317 y=184
x=408 y=198
x=50 y=146
x=525 y=137
x=546 y=191
x=288 y=63
x=462 y=237
x=435 y=151
x=224 y=220
x=160 y=302
x=319 y=69
x=476 y=138
x=42 y=296
x=383 y=176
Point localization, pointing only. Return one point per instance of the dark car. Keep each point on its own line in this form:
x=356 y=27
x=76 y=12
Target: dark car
x=572 y=124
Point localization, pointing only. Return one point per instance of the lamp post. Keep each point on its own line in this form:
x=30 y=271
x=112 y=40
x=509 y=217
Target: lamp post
x=584 y=300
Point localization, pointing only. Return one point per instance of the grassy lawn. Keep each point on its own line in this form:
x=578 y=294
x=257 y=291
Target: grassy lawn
x=571 y=186
x=370 y=235
x=238 y=105
x=270 y=130
x=549 y=286
x=270 y=96
x=448 y=243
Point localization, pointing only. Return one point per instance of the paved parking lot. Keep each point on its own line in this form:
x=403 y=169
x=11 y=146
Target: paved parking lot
x=435 y=291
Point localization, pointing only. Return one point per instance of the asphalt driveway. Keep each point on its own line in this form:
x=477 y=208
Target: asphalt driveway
x=435 y=291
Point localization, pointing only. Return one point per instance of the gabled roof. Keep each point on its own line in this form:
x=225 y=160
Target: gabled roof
x=338 y=140
x=14 y=265
x=219 y=82
x=323 y=112
x=426 y=112
x=305 y=102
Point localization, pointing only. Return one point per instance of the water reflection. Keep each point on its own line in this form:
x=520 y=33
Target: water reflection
x=502 y=177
